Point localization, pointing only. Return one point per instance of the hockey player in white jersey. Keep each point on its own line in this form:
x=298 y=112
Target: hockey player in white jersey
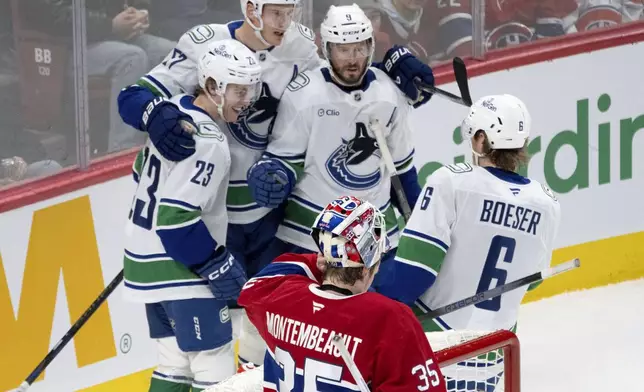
x=322 y=145
x=478 y=227
x=176 y=261
x=283 y=48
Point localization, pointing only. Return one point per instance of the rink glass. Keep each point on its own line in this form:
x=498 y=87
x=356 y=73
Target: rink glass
x=58 y=105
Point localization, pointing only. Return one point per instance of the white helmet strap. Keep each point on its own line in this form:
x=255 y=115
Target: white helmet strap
x=220 y=90
x=258 y=29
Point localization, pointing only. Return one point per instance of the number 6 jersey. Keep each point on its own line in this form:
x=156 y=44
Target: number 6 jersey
x=178 y=215
x=474 y=229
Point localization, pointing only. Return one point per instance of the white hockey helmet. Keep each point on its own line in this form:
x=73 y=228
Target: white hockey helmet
x=351 y=232
x=504 y=119
x=347 y=24
x=258 y=6
x=229 y=62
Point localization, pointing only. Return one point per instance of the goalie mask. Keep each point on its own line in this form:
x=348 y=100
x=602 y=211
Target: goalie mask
x=351 y=233
x=236 y=75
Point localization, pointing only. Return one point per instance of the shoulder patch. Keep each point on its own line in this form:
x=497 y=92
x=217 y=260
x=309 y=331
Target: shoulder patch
x=306 y=32
x=299 y=82
x=201 y=34
x=549 y=192
x=210 y=130
x=459 y=168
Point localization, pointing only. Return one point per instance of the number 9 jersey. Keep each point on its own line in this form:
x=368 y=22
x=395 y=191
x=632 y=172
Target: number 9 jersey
x=178 y=215
x=473 y=229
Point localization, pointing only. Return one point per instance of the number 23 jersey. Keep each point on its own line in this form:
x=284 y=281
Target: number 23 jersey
x=176 y=197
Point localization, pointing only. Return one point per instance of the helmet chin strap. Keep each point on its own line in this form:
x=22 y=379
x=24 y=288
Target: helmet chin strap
x=220 y=107
x=258 y=29
x=476 y=155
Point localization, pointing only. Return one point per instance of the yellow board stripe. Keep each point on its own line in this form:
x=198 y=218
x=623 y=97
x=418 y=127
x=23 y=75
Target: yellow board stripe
x=603 y=262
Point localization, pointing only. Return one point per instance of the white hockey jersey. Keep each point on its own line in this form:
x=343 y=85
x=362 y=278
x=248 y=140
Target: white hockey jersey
x=471 y=230
x=175 y=198
x=247 y=137
x=321 y=133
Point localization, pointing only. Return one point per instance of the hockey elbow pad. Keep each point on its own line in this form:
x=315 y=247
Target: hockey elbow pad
x=270 y=182
x=224 y=274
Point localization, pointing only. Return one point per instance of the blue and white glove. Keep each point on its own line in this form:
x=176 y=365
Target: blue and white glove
x=270 y=182
x=224 y=274
x=403 y=68
x=162 y=120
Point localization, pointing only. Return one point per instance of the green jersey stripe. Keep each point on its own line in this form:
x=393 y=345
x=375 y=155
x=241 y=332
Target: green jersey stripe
x=300 y=214
x=170 y=215
x=425 y=253
x=157 y=272
x=390 y=217
x=138 y=164
x=239 y=195
x=143 y=82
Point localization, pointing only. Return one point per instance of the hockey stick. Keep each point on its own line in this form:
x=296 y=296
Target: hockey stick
x=70 y=333
x=376 y=127
x=353 y=368
x=460 y=74
x=495 y=292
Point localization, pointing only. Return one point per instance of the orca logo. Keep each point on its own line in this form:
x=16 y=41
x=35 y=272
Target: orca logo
x=262 y=112
x=344 y=164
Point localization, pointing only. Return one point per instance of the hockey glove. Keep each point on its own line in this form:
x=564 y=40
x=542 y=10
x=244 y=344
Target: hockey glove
x=162 y=120
x=224 y=274
x=403 y=68
x=270 y=182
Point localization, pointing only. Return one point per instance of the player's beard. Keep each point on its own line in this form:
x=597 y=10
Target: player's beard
x=351 y=74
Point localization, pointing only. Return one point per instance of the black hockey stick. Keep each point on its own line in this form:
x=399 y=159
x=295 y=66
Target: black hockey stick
x=70 y=334
x=495 y=292
x=460 y=74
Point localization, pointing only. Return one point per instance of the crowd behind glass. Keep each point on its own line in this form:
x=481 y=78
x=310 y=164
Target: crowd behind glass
x=63 y=62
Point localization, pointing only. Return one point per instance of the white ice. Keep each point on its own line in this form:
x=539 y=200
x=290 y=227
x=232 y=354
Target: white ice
x=586 y=341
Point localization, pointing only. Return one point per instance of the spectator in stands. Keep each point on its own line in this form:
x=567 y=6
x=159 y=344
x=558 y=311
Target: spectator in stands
x=432 y=30
x=118 y=46
x=175 y=17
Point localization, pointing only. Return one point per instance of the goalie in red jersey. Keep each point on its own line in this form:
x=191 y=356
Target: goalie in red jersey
x=301 y=301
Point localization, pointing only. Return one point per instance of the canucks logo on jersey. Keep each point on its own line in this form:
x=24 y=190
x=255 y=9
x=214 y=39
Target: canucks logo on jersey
x=344 y=165
x=263 y=111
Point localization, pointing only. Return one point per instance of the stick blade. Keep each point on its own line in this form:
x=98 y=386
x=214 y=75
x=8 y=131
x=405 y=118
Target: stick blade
x=460 y=73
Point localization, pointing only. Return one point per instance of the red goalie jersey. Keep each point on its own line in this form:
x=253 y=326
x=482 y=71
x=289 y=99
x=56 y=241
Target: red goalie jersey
x=298 y=319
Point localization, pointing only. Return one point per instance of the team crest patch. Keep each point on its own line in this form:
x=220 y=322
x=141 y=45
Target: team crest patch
x=346 y=165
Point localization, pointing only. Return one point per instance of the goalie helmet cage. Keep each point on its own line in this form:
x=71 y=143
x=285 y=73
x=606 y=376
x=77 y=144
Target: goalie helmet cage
x=471 y=361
